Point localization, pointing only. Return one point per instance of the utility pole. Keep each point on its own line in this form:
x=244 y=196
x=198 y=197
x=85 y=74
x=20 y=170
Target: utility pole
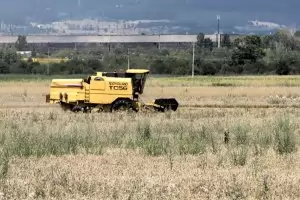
x=193 y=64
x=159 y=42
x=219 y=38
x=48 y=67
x=128 y=61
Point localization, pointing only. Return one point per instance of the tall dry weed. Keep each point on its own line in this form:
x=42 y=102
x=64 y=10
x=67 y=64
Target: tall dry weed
x=58 y=133
x=4 y=163
x=285 y=137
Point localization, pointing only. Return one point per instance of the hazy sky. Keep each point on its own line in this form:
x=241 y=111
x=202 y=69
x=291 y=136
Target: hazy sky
x=196 y=11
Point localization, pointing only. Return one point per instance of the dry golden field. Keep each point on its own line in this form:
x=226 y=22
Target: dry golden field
x=209 y=151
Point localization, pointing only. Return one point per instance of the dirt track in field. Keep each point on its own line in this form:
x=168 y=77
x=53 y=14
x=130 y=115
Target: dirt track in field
x=32 y=96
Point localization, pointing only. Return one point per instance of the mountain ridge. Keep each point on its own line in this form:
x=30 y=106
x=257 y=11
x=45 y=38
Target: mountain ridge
x=194 y=13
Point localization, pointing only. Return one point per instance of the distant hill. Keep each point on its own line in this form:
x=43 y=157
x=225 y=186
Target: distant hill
x=198 y=13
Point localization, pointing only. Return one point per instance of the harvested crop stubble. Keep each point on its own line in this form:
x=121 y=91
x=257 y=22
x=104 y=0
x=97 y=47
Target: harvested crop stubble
x=174 y=155
x=216 y=153
x=33 y=94
x=122 y=174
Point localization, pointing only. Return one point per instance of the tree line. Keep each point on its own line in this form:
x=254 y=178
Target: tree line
x=250 y=54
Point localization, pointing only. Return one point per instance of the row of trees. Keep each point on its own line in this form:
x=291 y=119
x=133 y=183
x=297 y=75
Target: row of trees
x=251 y=54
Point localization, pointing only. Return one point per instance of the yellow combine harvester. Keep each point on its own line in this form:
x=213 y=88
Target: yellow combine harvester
x=106 y=91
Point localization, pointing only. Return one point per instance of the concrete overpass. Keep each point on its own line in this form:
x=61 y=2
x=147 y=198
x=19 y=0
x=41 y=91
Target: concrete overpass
x=56 y=39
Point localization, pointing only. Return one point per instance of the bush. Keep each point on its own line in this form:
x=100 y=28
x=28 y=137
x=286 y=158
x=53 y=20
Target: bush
x=285 y=139
x=282 y=68
x=208 y=69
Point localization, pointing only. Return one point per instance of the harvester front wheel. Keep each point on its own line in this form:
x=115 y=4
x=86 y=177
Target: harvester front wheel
x=123 y=105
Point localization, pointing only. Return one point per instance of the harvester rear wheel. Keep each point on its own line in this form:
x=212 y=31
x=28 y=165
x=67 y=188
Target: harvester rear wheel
x=65 y=107
x=123 y=105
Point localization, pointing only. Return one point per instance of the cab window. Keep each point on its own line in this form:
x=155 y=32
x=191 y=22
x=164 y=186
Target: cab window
x=98 y=79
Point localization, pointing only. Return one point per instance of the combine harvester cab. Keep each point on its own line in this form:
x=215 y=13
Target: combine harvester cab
x=106 y=91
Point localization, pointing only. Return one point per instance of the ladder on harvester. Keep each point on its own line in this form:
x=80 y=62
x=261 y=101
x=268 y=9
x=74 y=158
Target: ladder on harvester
x=87 y=94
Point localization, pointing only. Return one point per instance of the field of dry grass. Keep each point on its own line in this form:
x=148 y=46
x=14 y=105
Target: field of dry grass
x=194 y=153
x=201 y=91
